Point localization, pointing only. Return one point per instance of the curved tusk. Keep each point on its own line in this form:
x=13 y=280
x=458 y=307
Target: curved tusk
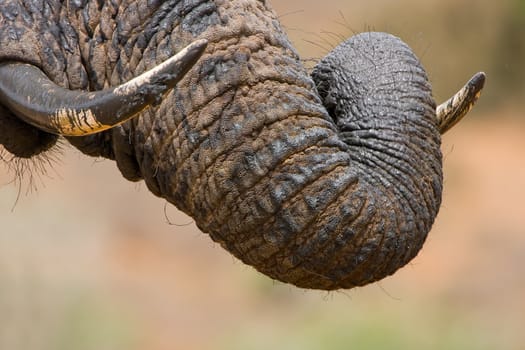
x=452 y=111
x=34 y=98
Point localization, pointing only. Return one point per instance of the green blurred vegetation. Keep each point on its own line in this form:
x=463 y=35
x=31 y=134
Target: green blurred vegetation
x=454 y=39
x=488 y=36
x=508 y=55
x=349 y=325
x=91 y=323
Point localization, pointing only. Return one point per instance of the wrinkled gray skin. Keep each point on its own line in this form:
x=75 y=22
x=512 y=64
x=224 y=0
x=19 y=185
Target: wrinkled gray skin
x=327 y=184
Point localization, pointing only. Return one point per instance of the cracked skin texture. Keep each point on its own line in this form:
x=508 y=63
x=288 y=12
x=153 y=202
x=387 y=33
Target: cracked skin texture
x=324 y=198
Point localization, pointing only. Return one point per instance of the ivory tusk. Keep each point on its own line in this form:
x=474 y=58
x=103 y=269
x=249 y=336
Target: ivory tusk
x=34 y=98
x=452 y=111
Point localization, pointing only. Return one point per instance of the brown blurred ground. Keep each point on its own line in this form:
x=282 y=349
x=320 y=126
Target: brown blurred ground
x=89 y=261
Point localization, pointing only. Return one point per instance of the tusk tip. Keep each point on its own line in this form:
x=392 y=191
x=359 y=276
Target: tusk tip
x=191 y=53
x=452 y=111
x=200 y=45
x=477 y=82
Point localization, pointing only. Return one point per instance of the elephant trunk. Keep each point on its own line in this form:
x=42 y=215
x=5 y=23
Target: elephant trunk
x=244 y=145
x=331 y=182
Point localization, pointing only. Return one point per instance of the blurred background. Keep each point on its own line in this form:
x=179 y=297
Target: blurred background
x=90 y=261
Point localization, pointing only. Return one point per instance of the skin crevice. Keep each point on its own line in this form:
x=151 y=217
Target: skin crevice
x=205 y=127
x=350 y=249
x=243 y=137
x=337 y=252
x=402 y=178
x=272 y=171
x=265 y=186
x=311 y=262
x=215 y=42
x=399 y=185
x=397 y=170
x=288 y=244
x=289 y=251
x=368 y=214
